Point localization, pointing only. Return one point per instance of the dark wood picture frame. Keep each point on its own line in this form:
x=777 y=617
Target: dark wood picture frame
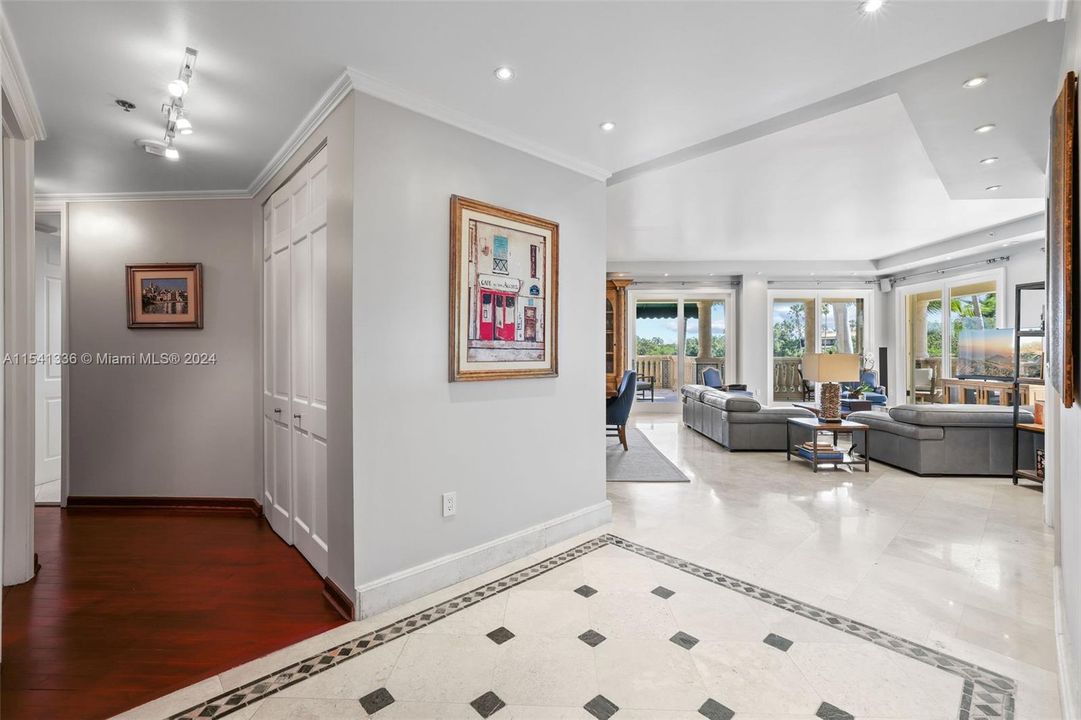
x=1062 y=242
x=460 y=300
x=194 y=316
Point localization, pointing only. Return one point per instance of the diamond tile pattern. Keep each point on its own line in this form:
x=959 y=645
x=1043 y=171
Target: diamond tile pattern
x=986 y=695
x=781 y=643
x=715 y=711
x=487 y=704
x=684 y=640
x=375 y=701
x=585 y=591
x=831 y=712
x=601 y=707
x=592 y=638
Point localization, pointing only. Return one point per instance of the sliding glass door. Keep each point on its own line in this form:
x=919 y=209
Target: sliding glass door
x=808 y=322
x=937 y=319
x=678 y=339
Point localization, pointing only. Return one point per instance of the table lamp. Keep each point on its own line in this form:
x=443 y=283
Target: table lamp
x=831 y=369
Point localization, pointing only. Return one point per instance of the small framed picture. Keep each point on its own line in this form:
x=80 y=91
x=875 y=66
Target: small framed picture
x=165 y=295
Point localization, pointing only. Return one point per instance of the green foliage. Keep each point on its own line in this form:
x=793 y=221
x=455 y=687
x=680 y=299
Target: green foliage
x=788 y=333
x=657 y=346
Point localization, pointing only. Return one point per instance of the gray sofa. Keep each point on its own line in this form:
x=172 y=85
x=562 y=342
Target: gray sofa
x=933 y=439
x=737 y=421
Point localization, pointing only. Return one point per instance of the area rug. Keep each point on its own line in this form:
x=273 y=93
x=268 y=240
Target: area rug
x=641 y=463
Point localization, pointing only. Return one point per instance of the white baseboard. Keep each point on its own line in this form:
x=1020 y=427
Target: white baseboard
x=401 y=587
x=1068 y=682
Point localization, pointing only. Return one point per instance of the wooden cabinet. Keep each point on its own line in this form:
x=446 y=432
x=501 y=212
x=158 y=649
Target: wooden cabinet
x=615 y=331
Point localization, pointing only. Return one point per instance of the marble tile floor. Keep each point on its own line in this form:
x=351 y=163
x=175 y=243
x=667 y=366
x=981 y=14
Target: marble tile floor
x=956 y=566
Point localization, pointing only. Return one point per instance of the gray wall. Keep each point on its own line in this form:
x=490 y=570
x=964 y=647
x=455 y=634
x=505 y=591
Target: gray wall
x=337 y=132
x=518 y=452
x=1068 y=493
x=165 y=430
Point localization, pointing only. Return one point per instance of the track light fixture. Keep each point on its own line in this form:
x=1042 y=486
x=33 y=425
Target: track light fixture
x=176 y=120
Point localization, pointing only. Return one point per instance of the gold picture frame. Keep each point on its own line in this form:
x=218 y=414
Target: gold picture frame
x=504 y=293
x=1062 y=243
x=165 y=295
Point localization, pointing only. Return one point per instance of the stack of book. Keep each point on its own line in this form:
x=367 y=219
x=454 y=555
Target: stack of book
x=826 y=451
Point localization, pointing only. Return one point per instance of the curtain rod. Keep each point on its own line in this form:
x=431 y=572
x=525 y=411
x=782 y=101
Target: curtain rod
x=942 y=271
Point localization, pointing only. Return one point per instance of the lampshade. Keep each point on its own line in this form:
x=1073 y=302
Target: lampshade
x=831 y=368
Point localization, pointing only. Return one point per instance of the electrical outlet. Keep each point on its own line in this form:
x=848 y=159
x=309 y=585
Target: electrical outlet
x=450 y=503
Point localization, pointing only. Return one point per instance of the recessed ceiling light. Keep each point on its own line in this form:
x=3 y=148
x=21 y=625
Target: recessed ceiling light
x=504 y=73
x=666 y=274
x=993 y=188
x=607 y=126
x=871 y=6
x=985 y=128
x=989 y=161
x=974 y=82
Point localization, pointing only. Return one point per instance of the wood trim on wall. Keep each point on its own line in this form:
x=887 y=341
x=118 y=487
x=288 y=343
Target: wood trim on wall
x=339 y=599
x=210 y=504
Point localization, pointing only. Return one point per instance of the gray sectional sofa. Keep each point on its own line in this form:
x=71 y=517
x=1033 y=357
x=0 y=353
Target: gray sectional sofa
x=735 y=420
x=931 y=439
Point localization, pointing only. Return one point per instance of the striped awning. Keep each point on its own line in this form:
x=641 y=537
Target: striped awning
x=649 y=310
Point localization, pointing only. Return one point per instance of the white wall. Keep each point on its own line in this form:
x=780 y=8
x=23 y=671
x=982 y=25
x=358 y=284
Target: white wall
x=753 y=340
x=165 y=430
x=519 y=452
x=1068 y=491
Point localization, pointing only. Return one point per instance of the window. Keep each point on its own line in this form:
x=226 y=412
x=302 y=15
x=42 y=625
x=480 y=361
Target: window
x=499 y=255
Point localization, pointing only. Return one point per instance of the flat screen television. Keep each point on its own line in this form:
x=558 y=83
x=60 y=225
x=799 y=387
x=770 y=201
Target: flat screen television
x=985 y=354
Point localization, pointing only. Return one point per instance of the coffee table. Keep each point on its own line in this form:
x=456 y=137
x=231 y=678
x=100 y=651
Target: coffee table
x=817 y=427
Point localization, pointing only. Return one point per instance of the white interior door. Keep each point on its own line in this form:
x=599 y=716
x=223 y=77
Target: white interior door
x=49 y=297
x=296 y=456
x=277 y=455
x=309 y=385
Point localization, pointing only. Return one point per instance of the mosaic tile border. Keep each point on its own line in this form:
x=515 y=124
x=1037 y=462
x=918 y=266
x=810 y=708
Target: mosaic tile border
x=986 y=695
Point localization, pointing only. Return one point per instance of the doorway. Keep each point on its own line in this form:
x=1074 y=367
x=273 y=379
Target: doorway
x=802 y=321
x=678 y=339
x=934 y=316
x=48 y=334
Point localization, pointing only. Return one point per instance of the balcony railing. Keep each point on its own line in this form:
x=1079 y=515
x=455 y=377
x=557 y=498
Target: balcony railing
x=787 y=381
x=664 y=369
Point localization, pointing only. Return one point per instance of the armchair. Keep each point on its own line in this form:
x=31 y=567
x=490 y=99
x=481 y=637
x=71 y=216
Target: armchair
x=711 y=377
x=619 y=408
x=876 y=395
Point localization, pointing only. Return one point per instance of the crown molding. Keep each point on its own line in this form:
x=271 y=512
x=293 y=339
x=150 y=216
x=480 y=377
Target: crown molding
x=16 y=84
x=326 y=104
x=61 y=198
x=411 y=101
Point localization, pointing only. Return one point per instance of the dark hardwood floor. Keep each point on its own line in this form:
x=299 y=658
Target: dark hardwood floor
x=130 y=605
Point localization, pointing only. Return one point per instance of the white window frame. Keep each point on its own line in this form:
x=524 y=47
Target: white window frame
x=899 y=375
x=680 y=295
x=818 y=294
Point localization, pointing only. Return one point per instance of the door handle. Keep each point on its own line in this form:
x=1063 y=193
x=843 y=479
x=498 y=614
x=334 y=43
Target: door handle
x=297 y=416
x=278 y=411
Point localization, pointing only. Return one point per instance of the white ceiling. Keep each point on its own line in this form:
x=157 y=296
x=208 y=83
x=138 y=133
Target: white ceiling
x=669 y=74
x=856 y=184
